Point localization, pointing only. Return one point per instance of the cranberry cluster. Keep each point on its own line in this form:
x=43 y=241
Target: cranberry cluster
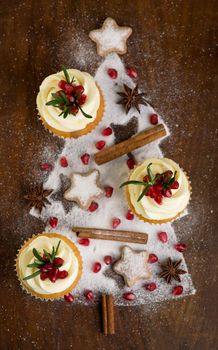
x=51 y=270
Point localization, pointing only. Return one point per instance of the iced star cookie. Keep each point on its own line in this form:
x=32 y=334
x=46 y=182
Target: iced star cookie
x=69 y=103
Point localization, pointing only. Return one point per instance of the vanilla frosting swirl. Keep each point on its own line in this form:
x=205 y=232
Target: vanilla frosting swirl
x=65 y=252
x=70 y=123
x=170 y=207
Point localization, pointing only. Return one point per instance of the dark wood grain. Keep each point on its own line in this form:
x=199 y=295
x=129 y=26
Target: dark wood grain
x=173 y=48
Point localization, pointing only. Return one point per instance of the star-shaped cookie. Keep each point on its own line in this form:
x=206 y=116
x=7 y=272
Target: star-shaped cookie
x=132 y=266
x=84 y=188
x=110 y=38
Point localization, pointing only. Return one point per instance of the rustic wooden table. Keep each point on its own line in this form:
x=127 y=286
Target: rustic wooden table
x=173 y=48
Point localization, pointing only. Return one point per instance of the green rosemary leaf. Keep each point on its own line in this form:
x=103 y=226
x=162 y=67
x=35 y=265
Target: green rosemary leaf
x=52 y=103
x=35 y=264
x=56 y=250
x=85 y=114
x=66 y=113
x=32 y=276
x=143 y=192
x=48 y=255
x=150 y=174
x=64 y=97
x=172 y=179
x=132 y=182
x=37 y=255
x=53 y=253
x=66 y=74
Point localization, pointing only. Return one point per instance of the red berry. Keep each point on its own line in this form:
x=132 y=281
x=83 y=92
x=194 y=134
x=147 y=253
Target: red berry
x=158 y=199
x=93 y=207
x=163 y=237
x=84 y=241
x=82 y=99
x=71 y=98
x=129 y=215
x=151 y=286
x=53 y=275
x=112 y=73
x=108 y=191
x=107 y=131
x=181 y=247
x=129 y=296
x=177 y=290
x=53 y=221
x=115 y=222
x=43 y=276
x=154 y=119
x=63 y=162
x=89 y=295
x=175 y=185
x=132 y=73
x=78 y=90
x=69 y=298
x=85 y=158
x=167 y=193
x=146 y=178
x=46 y=167
x=68 y=89
x=96 y=267
x=100 y=144
x=47 y=267
x=62 y=274
x=152 y=258
x=58 y=261
x=62 y=84
x=74 y=109
x=131 y=163
x=107 y=259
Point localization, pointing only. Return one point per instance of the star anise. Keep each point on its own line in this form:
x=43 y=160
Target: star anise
x=171 y=270
x=132 y=98
x=38 y=197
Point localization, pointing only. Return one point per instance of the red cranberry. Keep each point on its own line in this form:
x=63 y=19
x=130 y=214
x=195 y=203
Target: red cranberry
x=129 y=296
x=78 y=90
x=154 y=119
x=175 y=185
x=62 y=84
x=74 y=109
x=116 y=222
x=112 y=73
x=131 y=163
x=82 y=99
x=46 y=167
x=152 y=258
x=181 y=247
x=129 y=215
x=96 y=267
x=53 y=275
x=85 y=158
x=108 y=191
x=107 y=259
x=100 y=144
x=68 y=89
x=53 y=221
x=151 y=286
x=177 y=290
x=43 y=276
x=163 y=237
x=107 y=131
x=132 y=73
x=167 y=193
x=93 y=207
x=63 y=162
x=62 y=274
x=89 y=295
x=58 y=261
x=84 y=241
x=69 y=298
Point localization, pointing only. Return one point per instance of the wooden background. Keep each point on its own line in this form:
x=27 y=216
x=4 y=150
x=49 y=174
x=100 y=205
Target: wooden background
x=173 y=48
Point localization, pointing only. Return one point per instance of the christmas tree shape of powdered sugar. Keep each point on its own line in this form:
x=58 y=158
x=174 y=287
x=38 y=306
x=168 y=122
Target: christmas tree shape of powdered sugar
x=112 y=174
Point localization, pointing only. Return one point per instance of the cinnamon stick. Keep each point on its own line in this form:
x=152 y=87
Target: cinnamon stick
x=127 y=146
x=111 y=235
x=104 y=314
x=108 y=321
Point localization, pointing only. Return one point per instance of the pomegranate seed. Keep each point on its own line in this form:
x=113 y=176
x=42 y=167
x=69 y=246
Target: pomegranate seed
x=151 y=286
x=53 y=275
x=85 y=158
x=167 y=193
x=47 y=267
x=129 y=215
x=43 y=276
x=71 y=98
x=177 y=290
x=129 y=296
x=74 y=109
x=116 y=222
x=68 y=89
x=58 y=261
x=63 y=162
x=158 y=199
x=78 y=90
x=53 y=221
x=154 y=119
x=107 y=259
x=69 y=298
x=62 y=84
x=96 y=267
x=175 y=185
x=181 y=247
x=89 y=295
x=108 y=191
x=107 y=131
x=62 y=274
x=100 y=144
x=84 y=241
x=163 y=237
x=93 y=207
x=112 y=73
x=131 y=163
x=152 y=258
x=82 y=99
x=132 y=73
x=146 y=178
x=46 y=167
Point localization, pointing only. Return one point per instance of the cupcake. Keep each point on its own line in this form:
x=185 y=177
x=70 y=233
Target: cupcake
x=69 y=103
x=158 y=190
x=48 y=266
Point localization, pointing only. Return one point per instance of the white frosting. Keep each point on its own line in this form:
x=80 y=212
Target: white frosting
x=65 y=252
x=170 y=207
x=50 y=113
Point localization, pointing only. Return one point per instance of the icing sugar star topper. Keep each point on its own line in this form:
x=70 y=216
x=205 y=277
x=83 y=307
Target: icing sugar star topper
x=110 y=38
